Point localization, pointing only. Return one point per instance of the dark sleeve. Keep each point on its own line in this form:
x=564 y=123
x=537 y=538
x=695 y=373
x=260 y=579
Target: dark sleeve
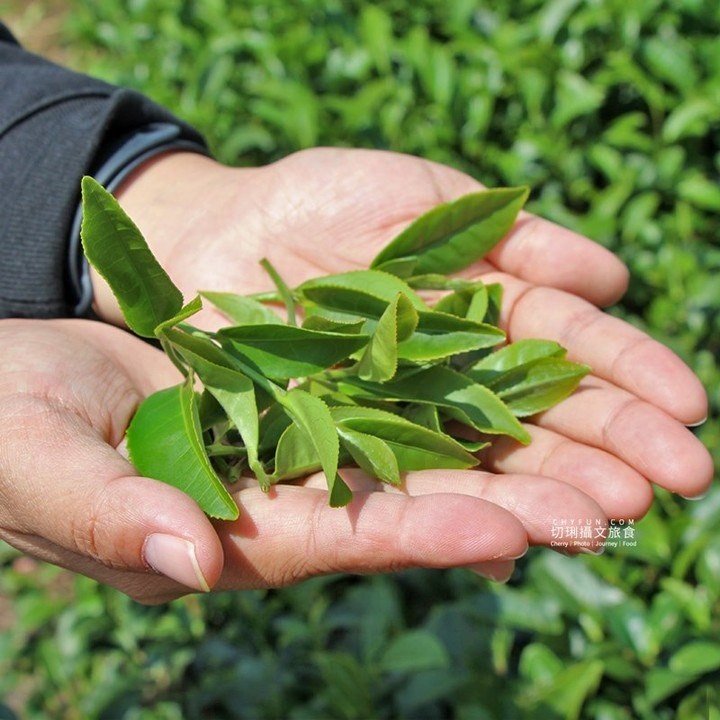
x=55 y=127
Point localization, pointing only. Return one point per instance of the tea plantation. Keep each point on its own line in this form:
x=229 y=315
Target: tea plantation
x=610 y=111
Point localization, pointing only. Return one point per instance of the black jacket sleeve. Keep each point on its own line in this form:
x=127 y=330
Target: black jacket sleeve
x=55 y=127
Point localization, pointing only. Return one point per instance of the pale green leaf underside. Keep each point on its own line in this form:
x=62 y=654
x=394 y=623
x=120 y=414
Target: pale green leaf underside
x=242 y=310
x=164 y=442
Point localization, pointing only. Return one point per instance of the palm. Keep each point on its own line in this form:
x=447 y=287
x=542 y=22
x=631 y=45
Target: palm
x=327 y=211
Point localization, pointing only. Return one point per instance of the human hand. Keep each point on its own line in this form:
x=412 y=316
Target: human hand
x=68 y=389
x=325 y=211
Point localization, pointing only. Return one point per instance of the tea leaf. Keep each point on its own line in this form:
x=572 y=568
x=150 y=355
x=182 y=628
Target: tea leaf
x=165 y=443
x=470 y=302
x=432 y=321
x=161 y=330
x=442 y=386
x=436 y=281
x=242 y=310
x=118 y=251
x=231 y=388
x=529 y=375
x=294 y=455
x=379 y=361
x=454 y=235
x=375 y=283
x=424 y=346
x=313 y=417
x=416 y=447
x=285 y=351
x=540 y=386
x=518 y=353
x=185 y=312
x=285 y=293
x=326 y=323
x=371 y=454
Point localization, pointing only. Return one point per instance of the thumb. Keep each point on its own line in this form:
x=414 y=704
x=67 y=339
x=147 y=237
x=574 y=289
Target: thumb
x=71 y=498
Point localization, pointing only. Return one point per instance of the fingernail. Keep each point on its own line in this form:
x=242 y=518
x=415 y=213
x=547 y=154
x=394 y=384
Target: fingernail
x=587 y=550
x=698 y=423
x=519 y=555
x=498 y=575
x=693 y=498
x=575 y=550
x=175 y=558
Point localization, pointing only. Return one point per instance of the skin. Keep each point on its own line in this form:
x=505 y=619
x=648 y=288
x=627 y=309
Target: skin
x=69 y=388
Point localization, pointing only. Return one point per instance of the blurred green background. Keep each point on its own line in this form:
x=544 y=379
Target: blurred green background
x=610 y=111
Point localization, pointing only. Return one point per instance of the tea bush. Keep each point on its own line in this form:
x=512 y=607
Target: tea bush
x=610 y=111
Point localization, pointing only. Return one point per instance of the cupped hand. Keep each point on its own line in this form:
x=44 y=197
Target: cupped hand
x=325 y=210
x=68 y=389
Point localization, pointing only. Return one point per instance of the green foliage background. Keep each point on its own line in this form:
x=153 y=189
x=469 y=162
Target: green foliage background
x=610 y=110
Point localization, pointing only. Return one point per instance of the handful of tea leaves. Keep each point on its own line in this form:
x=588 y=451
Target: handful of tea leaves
x=373 y=377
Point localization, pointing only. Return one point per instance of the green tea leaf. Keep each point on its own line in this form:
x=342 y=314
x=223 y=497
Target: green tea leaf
x=402 y=267
x=371 y=454
x=273 y=424
x=242 y=310
x=313 y=417
x=285 y=351
x=540 y=385
x=416 y=447
x=454 y=235
x=326 y=323
x=346 y=304
x=529 y=375
x=424 y=347
x=517 y=354
x=194 y=306
x=185 y=312
x=379 y=361
x=165 y=443
x=432 y=321
x=233 y=390
x=442 y=386
x=425 y=415
x=375 y=283
x=118 y=251
x=295 y=456
x=285 y=293
x=495 y=294
x=436 y=281
x=471 y=303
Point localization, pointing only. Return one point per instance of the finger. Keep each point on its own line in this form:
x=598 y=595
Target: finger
x=544 y=253
x=293 y=534
x=62 y=483
x=641 y=435
x=539 y=503
x=616 y=351
x=620 y=490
